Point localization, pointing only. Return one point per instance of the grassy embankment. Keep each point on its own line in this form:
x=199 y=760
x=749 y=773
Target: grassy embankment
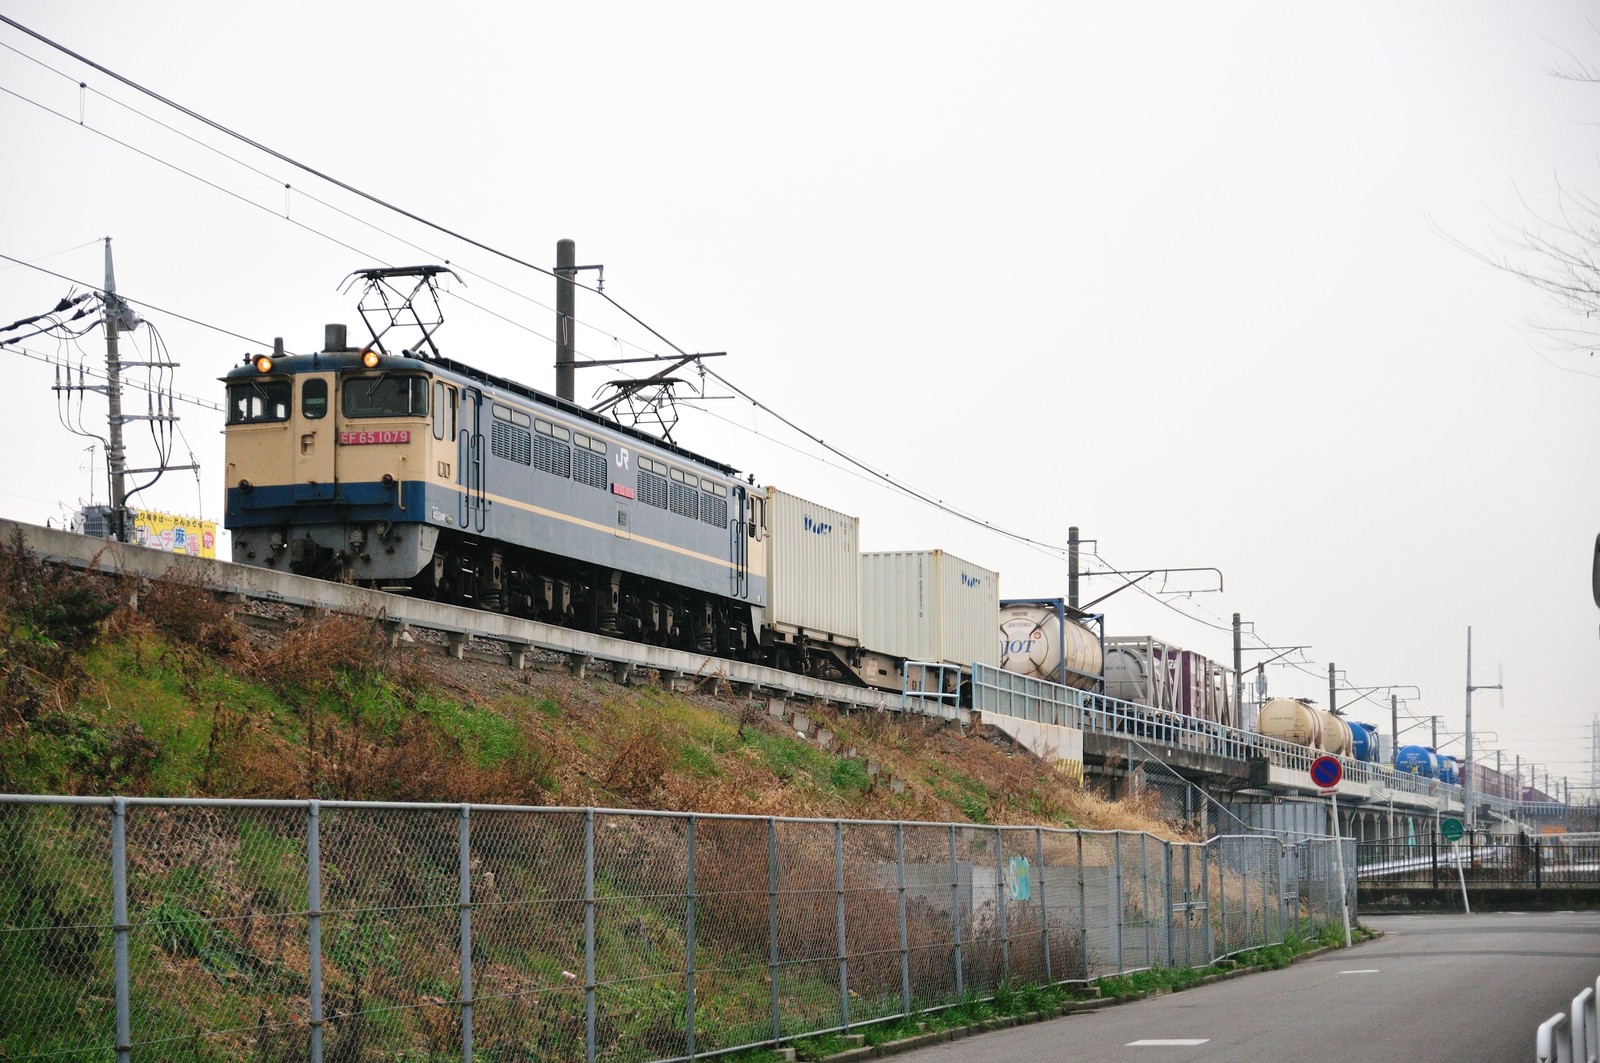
x=177 y=697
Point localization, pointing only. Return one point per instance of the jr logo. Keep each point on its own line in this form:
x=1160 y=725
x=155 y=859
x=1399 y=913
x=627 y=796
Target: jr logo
x=817 y=527
x=969 y=581
x=623 y=457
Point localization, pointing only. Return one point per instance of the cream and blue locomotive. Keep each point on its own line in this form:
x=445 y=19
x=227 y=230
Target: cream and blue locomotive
x=420 y=474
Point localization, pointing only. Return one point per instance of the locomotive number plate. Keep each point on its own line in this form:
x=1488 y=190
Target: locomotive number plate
x=355 y=439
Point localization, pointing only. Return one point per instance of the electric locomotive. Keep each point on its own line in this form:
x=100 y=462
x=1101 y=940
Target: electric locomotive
x=411 y=472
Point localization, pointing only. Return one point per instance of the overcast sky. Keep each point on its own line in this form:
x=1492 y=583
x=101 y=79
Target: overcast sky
x=1202 y=279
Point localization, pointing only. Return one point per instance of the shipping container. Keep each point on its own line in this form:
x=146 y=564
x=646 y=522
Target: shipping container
x=930 y=606
x=813 y=570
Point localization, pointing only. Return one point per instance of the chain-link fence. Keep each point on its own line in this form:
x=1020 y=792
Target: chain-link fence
x=144 y=929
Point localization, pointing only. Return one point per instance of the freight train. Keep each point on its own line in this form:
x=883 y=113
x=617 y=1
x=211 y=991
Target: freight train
x=415 y=473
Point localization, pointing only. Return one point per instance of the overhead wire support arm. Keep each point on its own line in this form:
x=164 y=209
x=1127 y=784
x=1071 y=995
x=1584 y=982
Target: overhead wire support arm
x=1139 y=575
x=1279 y=656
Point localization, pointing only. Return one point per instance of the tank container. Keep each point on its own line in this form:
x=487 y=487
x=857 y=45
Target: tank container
x=1416 y=760
x=1038 y=639
x=928 y=605
x=813 y=569
x=1335 y=734
x=1447 y=770
x=1363 y=741
x=1290 y=721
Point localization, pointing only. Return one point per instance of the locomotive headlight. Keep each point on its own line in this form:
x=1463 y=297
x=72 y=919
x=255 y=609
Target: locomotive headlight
x=263 y=363
x=369 y=358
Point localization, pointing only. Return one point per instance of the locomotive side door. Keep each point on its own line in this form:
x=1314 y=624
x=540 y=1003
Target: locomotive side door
x=741 y=530
x=315 y=439
x=470 y=461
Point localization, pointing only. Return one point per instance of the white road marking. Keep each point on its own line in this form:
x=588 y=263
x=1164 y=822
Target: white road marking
x=1169 y=1041
x=1370 y=970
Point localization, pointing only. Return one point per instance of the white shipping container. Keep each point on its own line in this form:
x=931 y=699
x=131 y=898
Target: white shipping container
x=928 y=605
x=813 y=569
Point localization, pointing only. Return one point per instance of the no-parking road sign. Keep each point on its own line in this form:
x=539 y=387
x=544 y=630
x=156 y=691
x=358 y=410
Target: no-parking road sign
x=1326 y=772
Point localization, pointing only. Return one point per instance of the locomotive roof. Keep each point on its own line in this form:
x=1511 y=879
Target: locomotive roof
x=335 y=361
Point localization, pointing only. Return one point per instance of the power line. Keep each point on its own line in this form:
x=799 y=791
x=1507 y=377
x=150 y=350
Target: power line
x=321 y=175
x=286 y=215
x=136 y=302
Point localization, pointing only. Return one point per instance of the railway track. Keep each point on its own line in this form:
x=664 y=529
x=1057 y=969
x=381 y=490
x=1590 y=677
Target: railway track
x=584 y=652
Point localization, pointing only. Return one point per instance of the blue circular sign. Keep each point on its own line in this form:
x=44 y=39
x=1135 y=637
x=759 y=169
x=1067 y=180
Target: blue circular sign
x=1326 y=772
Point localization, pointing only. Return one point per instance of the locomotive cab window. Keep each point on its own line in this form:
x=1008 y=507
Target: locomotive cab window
x=385 y=396
x=259 y=401
x=314 y=400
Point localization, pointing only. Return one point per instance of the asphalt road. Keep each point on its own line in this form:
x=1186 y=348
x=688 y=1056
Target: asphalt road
x=1447 y=988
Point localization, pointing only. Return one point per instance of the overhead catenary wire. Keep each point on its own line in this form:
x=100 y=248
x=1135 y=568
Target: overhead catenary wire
x=329 y=178
x=300 y=224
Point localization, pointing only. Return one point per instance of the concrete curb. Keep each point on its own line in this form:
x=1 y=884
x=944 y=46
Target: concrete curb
x=937 y=1037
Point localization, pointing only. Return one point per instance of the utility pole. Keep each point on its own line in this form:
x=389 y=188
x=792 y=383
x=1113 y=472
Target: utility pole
x=1466 y=783
x=1238 y=669
x=566 y=319
x=1394 y=726
x=1435 y=720
x=1072 y=567
x=1331 y=705
x=116 y=456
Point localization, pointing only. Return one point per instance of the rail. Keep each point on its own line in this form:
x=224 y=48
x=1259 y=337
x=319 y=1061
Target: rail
x=456 y=621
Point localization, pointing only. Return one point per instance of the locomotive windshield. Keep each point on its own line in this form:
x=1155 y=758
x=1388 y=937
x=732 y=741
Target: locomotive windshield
x=386 y=396
x=258 y=401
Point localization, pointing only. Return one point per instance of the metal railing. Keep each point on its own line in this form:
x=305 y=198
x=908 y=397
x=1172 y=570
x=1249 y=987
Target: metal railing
x=154 y=929
x=1573 y=1036
x=1487 y=860
x=998 y=691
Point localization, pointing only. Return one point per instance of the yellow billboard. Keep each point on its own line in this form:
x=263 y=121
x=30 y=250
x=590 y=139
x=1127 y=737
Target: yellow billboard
x=180 y=535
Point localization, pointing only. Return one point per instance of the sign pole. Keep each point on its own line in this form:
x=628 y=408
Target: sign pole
x=1450 y=830
x=1338 y=863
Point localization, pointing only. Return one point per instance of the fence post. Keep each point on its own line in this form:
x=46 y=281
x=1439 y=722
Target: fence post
x=1144 y=884
x=119 y=927
x=772 y=922
x=1188 y=907
x=314 y=922
x=1222 y=895
x=1116 y=878
x=1044 y=909
x=1083 y=910
x=466 y=932
x=905 y=945
x=955 y=913
x=1244 y=889
x=1000 y=888
x=1205 y=899
x=1538 y=864
x=688 y=938
x=1166 y=889
x=838 y=887
x=588 y=937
